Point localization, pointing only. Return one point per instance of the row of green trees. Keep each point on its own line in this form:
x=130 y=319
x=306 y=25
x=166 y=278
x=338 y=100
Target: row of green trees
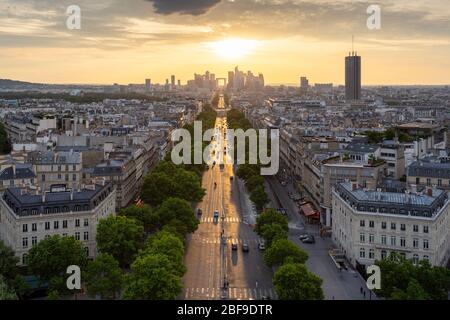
x=12 y=283
x=250 y=173
x=402 y=280
x=292 y=280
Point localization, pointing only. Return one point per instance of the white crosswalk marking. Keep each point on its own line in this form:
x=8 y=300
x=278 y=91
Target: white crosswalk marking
x=233 y=293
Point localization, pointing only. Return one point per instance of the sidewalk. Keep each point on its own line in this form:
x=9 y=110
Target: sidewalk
x=248 y=212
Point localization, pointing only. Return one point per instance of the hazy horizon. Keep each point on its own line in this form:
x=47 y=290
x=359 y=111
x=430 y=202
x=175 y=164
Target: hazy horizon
x=283 y=39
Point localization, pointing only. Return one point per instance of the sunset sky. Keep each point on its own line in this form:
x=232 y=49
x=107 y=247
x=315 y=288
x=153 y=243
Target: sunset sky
x=126 y=41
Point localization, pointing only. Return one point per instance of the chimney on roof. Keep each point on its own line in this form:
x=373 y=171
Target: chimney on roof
x=429 y=191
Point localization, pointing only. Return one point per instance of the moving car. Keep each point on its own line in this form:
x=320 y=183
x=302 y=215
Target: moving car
x=245 y=247
x=303 y=236
x=216 y=215
x=310 y=239
x=262 y=244
x=234 y=245
x=231 y=177
x=199 y=212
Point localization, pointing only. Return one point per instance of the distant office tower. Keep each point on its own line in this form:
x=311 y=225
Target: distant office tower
x=261 y=80
x=172 y=81
x=304 y=84
x=353 y=77
x=179 y=82
x=167 y=82
x=148 y=84
x=230 y=79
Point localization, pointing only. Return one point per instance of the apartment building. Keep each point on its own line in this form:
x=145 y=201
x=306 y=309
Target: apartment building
x=368 y=225
x=27 y=217
x=430 y=171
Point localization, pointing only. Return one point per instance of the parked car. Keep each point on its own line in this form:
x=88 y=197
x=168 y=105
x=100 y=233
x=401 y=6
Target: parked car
x=199 y=212
x=310 y=239
x=283 y=183
x=245 y=247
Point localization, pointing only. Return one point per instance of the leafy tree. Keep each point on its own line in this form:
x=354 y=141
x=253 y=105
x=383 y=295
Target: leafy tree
x=280 y=250
x=293 y=281
x=152 y=278
x=188 y=186
x=5 y=144
x=8 y=261
x=271 y=216
x=414 y=291
x=6 y=293
x=104 y=277
x=121 y=237
x=157 y=187
x=144 y=214
x=246 y=171
x=272 y=232
x=179 y=214
x=259 y=198
x=170 y=245
x=400 y=278
x=254 y=182
x=49 y=259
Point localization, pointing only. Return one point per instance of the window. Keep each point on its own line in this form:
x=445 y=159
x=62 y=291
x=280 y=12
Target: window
x=77 y=222
x=74 y=167
x=24 y=242
x=24 y=258
x=67 y=177
x=425 y=244
x=425 y=229
x=59 y=176
x=416 y=228
x=371 y=238
x=47 y=225
x=403 y=227
x=383 y=225
x=439 y=182
x=393 y=226
x=393 y=241
x=371 y=224
x=74 y=177
x=415 y=243
x=25 y=227
x=86 y=236
x=362 y=223
x=86 y=222
x=55 y=224
x=371 y=254
x=34 y=227
x=417 y=180
x=47 y=236
x=428 y=182
x=426 y=258
x=64 y=224
x=77 y=236
x=33 y=240
x=86 y=250
x=362 y=237
x=415 y=259
x=383 y=239
x=362 y=253
x=43 y=177
x=402 y=242
x=383 y=254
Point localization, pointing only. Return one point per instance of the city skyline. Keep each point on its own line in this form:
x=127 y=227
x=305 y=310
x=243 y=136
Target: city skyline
x=157 y=39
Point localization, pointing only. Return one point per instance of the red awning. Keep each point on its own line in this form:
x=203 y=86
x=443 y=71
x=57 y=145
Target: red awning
x=309 y=211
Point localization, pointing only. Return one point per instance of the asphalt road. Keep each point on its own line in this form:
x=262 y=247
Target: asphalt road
x=209 y=263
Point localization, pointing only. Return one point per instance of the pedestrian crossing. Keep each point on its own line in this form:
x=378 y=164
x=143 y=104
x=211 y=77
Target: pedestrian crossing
x=231 y=293
x=227 y=219
x=217 y=240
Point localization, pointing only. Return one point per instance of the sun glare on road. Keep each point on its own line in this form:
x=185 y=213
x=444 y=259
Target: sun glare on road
x=234 y=48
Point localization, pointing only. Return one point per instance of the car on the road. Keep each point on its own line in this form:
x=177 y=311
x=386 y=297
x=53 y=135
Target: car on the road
x=231 y=177
x=303 y=236
x=310 y=239
x=245 y=247
x=283 y=183
x=216 y=214
x=234 y=245
x=199 y=212
x=262 y=244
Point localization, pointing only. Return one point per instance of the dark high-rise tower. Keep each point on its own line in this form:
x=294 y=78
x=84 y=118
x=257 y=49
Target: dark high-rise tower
x=353 y=77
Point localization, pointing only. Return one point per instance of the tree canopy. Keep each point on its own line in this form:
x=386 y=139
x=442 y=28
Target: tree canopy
x=121 y=237
x=293 y=281
x=104 y=277
x=282 y=250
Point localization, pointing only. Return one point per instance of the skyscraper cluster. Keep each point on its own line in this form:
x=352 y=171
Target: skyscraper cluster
x=238 y=80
